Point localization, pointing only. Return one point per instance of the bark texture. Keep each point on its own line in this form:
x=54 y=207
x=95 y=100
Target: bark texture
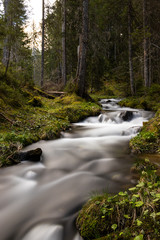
x=130 y=46
x=42 y=61
x=146 y=45
x=64 y=71
x=6 y=48
x=83 y=52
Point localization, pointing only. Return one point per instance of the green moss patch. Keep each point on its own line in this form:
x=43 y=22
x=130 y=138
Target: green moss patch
x=133 y=214
x=38 y=118
x=148 y=140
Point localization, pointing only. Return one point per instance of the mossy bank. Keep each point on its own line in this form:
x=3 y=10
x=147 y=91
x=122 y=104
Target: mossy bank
x=31 y=115
x=129 y=215
x=148 y=140
x=133 y=214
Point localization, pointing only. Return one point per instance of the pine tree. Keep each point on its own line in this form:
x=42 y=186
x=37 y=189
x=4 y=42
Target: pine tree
x=14 y=44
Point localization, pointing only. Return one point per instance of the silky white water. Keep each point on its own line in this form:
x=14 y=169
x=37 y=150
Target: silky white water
x=40 y=201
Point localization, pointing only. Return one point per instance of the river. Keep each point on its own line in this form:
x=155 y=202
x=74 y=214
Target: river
x=40 y=201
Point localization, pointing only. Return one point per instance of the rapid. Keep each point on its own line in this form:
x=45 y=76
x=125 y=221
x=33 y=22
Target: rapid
x=40 y=201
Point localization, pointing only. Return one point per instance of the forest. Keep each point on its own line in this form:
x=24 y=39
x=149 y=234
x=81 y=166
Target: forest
x=85 y=51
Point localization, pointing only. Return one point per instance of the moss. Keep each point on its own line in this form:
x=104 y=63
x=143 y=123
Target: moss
x=149 y=102
x=133 y=214
x=30 y=123
x=35 y=102
x=42 y=93
x=148 y=140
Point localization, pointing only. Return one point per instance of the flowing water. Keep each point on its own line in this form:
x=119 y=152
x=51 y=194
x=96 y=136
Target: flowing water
x=40 y=201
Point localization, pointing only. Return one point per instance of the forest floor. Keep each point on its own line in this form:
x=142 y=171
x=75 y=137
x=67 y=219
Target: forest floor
x=28 y=115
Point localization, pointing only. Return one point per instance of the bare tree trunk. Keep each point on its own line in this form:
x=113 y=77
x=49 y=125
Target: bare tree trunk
x=6 y=48
x=42 y=60
x=79 y=55
x=130 y=47
x=145 y=45
x=83 y=54
x=64 y=71
x=115 y=51
x=150 y=64
x=7 y=60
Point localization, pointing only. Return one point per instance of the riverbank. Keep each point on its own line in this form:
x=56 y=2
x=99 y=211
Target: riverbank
x=32 y=115
x=148 y=140
x=133 y=214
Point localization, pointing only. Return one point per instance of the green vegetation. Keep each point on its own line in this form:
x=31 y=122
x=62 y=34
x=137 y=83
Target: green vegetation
x=148 y=140
x=26 y=117
x=129 y=215
x=146 y=99
x=133 y=214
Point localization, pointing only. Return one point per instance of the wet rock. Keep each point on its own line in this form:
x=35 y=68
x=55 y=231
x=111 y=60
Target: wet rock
x=132 y=130
x=126 y=115
x=32 y=155
x=106 y=101
x=102 y=118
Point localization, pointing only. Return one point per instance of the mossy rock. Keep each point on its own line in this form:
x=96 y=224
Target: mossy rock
x=35 y=102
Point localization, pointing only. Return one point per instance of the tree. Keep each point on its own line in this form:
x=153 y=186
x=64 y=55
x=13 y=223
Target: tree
x=106 y=54
x=83 y=51
x=15 y=40
x=146 y=44
x=130 y=45
x=7 y=44
x=64 y=75
x=42 y=61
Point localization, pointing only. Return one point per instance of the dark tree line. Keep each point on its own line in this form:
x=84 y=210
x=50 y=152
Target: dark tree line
x=87 y=43
x=122 y=42
x=15 y=52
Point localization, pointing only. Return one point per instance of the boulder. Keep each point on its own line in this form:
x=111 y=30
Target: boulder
x=32 y=155
x=103 y=101
x=126 y=115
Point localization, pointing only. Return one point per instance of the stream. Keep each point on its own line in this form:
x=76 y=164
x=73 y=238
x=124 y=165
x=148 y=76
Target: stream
x=40 y=201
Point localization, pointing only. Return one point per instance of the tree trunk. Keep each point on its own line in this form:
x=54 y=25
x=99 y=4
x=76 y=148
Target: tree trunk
x=145 y=45
x=130 y=47
x=79 y=55
x=42 y=60
x=7 y=61
x=64 y=74
x=6 y=48
x=83 y=52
